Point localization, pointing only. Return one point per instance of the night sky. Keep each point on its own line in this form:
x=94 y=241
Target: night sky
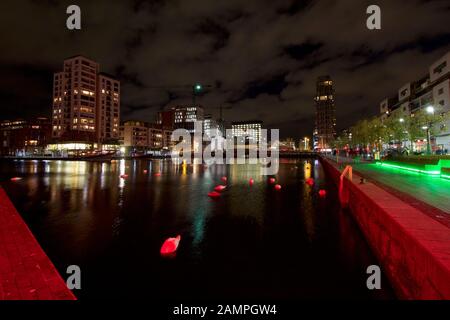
x=261 y=57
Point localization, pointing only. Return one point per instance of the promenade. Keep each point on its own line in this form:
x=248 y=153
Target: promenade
x=430 y=194
x=412 y=247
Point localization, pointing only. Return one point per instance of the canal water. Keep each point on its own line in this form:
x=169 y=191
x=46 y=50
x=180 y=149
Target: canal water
x=254 y=242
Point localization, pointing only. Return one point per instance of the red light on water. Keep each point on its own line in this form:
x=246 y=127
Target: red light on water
x=16 y=178
x=272 y=180
x=170 y=245
x=214 y=194
x=277 y=187
x=220 y=188
x=322 y=193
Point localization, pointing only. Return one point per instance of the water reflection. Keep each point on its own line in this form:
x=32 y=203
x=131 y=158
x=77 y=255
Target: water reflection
x=252 y=242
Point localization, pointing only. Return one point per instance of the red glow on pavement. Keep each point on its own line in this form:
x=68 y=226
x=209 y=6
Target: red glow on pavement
x=214 y=194
x=310 y=181
x=220 y=188
x=277 y=187
x=16 y=179
x=322 y=193
x=272 y=180
x=170 y=245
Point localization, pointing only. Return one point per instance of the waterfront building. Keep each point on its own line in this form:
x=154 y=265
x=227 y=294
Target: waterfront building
x=432 y=89
x=245 y=131
x=144 y=136
x=24 y=137
x=166 y=119
x=325 y=125
x=186 y=116
x=86 y=103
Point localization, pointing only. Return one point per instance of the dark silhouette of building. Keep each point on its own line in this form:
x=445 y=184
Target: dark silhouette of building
x=24 y=137
x=325 y=127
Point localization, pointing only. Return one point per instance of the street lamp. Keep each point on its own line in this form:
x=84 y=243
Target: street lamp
x=196 y=89
x=401 y=120
x=430 y=110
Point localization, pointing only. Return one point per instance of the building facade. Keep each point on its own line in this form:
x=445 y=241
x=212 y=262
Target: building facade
x=186 y=116
x=86 y=103
x=24 y=137
x=432 y=89
x=244 y=131
x=144 y=136
x=108 y=109
x=325 y=125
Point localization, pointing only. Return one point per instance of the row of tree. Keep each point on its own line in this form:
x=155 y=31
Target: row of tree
x=375 y=133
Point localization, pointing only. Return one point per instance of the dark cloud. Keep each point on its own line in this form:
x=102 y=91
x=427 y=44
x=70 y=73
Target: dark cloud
x=261 y=57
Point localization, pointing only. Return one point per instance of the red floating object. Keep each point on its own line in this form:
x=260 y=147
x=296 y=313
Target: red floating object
x=213 y=194
x=145 y=171
x=310 y=181
x=277 y=187
x=170 y=245
x=322 y=193
x=251 y=182
x=272 y=180
x=16 y=178
x=224 y=179
x=220 y=188
x=158 y=174
x=124 y=176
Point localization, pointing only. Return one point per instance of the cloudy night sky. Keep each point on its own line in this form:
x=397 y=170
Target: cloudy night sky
x=261 y=57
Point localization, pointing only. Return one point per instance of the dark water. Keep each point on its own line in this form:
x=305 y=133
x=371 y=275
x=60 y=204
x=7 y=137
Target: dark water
x=253 y=242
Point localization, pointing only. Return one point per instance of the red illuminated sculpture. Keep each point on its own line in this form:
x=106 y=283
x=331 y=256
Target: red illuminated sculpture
x=170 y=245
x=310 y=181
x=322 y=193
x=251 y=182
x=277 y=187
x=272 y=180
x=214 y=194
x=219 y=188
x=224 y=179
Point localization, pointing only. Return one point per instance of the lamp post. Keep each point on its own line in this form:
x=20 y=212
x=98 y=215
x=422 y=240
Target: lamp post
x=430 y=111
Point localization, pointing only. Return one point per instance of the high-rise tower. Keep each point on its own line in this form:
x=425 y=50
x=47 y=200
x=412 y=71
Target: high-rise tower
x=325 y=128
x=86 y=103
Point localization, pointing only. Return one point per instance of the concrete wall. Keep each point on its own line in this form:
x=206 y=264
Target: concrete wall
x=412 y=248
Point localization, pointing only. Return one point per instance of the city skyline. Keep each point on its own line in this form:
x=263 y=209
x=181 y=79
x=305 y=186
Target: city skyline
x=256 y=78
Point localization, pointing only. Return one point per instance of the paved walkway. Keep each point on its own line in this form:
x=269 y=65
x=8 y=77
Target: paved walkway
x=432 y=190
x=26 y=273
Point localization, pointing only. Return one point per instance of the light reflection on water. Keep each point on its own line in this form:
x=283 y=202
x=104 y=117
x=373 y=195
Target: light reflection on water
x=252 y=242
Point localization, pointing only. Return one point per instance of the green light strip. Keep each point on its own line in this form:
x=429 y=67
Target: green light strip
x=431 y=172
x=445 y=176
